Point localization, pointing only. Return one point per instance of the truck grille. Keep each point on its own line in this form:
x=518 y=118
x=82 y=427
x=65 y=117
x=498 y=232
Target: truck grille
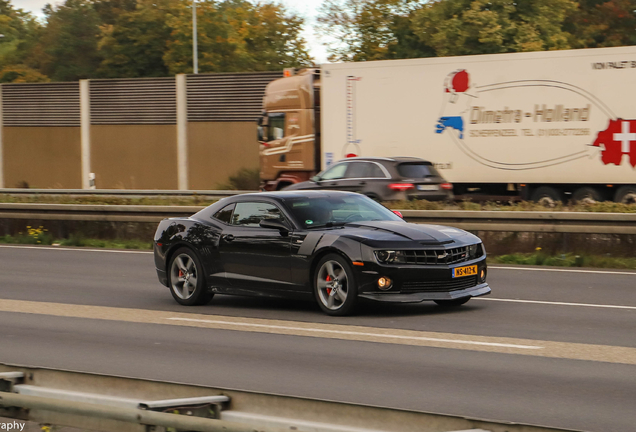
x=447 y=285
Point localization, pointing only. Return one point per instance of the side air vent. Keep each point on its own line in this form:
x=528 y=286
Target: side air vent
x=41 y=104
x=133 y=101
x=227 y=97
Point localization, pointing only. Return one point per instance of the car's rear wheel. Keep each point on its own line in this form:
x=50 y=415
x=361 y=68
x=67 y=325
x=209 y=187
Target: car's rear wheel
x=452 y=303
x=334 y=285
x=186 y=279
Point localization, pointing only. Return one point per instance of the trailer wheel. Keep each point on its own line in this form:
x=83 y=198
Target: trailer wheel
x=282 y=185
x=587 y=194
x=626 y=195
x=547 y=196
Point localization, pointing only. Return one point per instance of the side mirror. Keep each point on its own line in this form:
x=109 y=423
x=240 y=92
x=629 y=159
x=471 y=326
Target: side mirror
x=315 y=179
x=398 y=213
x=274 y=224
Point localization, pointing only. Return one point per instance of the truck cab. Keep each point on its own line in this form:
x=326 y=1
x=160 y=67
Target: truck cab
x=289 y=129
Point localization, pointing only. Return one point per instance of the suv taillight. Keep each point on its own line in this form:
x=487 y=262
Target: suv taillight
x=446 y=186
x=401 y=186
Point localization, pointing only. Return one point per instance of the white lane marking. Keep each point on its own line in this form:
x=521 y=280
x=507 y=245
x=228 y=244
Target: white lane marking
x=63 y=248
x=344 y=332
x=557 y=303
x=562 y=270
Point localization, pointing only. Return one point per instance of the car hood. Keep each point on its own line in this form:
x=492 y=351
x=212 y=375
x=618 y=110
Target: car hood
x=388 y=231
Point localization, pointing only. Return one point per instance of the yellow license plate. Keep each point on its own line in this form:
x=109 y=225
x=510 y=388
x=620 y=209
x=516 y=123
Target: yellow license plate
x=464 y=271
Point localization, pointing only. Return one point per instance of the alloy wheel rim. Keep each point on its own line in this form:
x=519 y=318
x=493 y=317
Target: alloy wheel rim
x=332 y=284
x=183 y=276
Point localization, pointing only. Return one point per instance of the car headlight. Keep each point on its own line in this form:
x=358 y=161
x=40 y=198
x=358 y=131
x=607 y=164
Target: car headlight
x=385 y=256
x=475 y=251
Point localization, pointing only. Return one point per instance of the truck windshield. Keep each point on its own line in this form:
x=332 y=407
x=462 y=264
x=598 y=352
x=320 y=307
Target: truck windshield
x=417 y=170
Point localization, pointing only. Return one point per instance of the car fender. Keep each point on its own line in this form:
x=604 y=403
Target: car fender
x=333 y=243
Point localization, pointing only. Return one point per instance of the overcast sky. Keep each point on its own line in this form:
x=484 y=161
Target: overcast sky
x=305 y=8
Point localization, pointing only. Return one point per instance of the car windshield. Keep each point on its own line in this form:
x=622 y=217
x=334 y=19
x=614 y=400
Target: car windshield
x=326 y=211
x=417 y=170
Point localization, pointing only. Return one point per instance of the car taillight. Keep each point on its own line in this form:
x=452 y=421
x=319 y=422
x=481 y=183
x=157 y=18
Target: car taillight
x=401 y=186
x=446 y=186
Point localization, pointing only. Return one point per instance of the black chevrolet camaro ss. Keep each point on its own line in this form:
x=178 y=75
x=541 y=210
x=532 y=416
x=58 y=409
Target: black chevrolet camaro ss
x=332 y=246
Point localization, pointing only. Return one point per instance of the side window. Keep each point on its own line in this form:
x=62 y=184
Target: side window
x=375 y=171
x=276 y=129
x=335 y=172
x=363 y=170
x=251 y=213
x=225 y=214
x=357 y=170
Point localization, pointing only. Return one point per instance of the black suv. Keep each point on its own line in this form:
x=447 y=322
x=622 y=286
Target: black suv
x=383 y=179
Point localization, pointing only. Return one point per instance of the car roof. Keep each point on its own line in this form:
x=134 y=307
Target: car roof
x=386 y=159
x=281 y=195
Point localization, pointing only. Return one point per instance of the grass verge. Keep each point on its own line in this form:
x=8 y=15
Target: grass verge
x=39 y=236
x=101 y=200
x=565 y=260
x=598 y=207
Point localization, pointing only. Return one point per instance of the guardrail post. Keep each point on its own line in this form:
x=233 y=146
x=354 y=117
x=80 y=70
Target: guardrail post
x=182 y=132
x=85 y=131
x=1 y=148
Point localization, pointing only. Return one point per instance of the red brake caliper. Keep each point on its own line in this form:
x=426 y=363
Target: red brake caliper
x=328 y=279
x=180 y=273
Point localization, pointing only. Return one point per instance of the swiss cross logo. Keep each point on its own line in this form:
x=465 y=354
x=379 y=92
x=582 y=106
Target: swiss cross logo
x=618 y=139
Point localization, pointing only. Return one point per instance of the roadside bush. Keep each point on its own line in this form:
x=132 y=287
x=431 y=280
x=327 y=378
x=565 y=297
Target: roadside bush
x=32 y=236
x=244 y=179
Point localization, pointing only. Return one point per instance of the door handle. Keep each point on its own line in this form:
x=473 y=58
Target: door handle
x=362 y=183
x=228 y=237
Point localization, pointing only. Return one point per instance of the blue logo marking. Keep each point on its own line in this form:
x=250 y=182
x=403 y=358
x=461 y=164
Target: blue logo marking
x=450 y=122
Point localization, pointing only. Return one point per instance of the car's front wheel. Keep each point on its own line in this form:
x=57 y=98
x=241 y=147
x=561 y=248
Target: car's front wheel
x=334 y=285
x=187 y=281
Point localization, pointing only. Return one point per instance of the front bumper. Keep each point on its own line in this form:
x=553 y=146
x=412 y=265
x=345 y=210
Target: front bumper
x=397 y=297
x=416 y=283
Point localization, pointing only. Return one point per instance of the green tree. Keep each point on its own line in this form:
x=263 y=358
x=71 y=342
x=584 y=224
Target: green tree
x=360 y=30
x=600 y=23
x=134 y=45
x=66 y=49
x=17 y=28
x=20 y=74
x=236 y=36
x=461 y=27
x=110 y=10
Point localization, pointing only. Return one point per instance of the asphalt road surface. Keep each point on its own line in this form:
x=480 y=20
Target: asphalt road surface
x=553 y=347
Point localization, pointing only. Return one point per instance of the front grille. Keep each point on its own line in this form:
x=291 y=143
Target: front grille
x=446 y=285
x=440 y=256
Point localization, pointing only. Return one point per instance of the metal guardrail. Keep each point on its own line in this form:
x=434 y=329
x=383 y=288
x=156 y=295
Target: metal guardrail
x=64 y=398
x=503 y=221
x=525 y=221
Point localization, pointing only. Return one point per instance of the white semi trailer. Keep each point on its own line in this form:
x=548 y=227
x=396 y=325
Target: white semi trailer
x=543 y=125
